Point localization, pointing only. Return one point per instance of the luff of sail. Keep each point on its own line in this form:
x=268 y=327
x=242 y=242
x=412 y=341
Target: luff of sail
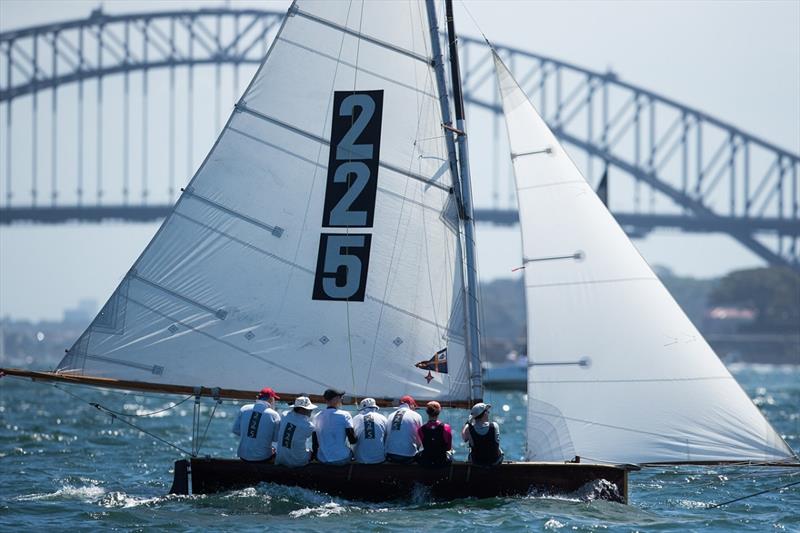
x=617 y=372
x=277 y=264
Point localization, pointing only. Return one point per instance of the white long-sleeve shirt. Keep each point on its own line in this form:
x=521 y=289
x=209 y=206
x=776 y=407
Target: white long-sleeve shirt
x=402 y=432
x=370 y=429
x=257 y=426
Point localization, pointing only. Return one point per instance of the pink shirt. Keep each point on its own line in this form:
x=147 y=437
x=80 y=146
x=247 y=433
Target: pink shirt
x=448 y=433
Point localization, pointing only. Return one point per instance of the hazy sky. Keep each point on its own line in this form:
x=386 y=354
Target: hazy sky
x=739 y=61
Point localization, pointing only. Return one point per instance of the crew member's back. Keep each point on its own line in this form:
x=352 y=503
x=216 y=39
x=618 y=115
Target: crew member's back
x=370 y=429
x=256 y=425
x=402 y=435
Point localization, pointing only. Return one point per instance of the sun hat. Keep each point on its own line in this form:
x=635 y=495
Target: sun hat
x=304 y=402
x=478 y=409
x=367 y=404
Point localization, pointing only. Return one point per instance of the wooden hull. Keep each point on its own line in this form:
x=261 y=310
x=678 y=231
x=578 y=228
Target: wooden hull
x=386 y=481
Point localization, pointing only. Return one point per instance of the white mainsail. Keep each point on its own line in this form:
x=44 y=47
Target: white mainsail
x=291 y=264
x=617 y=371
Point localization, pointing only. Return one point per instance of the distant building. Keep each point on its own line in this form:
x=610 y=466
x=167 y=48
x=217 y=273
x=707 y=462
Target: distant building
x=82 y=314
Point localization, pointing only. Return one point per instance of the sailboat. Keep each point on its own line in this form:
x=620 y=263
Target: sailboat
x=327 y=241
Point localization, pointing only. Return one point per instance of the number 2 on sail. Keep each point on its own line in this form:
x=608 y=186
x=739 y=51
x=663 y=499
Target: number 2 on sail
x=352 y=184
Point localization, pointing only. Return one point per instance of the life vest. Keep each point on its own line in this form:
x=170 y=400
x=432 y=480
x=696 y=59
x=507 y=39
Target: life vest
x=485 y=448
x=434 y=450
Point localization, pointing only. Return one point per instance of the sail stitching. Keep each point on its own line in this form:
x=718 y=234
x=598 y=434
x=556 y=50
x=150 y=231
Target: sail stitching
x=277 y=231
x=642 y=380
x=552 y=184
x=367 y=71
x=243 y=243
x=226 y=343
x=396 y=240
x=302 y=268
x=590 y=282
x=358 y=35
x=219 y=313
x=317 y=166
x=243 y=107
x=155 y=369
x=533 y=152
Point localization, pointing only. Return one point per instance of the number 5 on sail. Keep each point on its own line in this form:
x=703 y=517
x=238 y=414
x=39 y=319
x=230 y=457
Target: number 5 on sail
x=343 y=259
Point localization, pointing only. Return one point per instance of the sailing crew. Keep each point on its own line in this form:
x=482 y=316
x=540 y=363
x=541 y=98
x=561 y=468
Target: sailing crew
x=402 y=435
x=370 y=429
x=483 y=436
x=436 y=437
x=294 y=433
x=257 y=426
x=333 y=429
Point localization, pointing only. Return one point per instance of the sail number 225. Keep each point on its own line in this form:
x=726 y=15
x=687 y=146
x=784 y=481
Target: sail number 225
x=343 y=257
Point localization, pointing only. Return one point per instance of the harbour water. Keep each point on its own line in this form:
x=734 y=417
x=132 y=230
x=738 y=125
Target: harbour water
x=65 y=465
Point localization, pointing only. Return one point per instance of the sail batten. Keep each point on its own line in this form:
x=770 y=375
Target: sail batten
x=649 y=389
x=319 y=243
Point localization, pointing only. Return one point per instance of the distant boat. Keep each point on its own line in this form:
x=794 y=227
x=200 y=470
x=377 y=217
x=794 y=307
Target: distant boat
x=327 y=241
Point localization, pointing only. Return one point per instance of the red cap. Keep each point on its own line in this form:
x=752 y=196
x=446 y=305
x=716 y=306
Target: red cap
x=409 y=400
x=267 y=392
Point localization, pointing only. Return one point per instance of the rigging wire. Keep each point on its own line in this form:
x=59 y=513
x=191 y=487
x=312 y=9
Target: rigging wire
x=759 y=493
x=115 y=416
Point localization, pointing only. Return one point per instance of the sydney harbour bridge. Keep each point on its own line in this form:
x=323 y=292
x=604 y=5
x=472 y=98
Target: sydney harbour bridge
x=106 y=117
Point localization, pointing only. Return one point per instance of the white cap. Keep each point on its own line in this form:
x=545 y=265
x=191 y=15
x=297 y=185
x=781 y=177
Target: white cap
x=304 y=403
x=367 y=403
x=478 y=409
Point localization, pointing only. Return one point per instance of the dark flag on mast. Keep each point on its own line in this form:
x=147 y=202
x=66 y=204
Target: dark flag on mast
x=602 y=187
x=437 y=363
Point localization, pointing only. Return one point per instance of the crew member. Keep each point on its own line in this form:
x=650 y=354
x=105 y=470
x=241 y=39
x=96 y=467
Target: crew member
x=294 y=434
x=370 y=429
x=436 y=437
x=483 y=436
x=333 y=429
x=402 y=435
x=257 y=426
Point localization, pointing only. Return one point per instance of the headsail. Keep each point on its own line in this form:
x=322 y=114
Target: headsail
x=617 y=371
x=290 y=262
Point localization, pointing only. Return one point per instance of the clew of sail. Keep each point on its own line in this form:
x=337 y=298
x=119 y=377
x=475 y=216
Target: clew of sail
x=318 y=245
x=617 y=371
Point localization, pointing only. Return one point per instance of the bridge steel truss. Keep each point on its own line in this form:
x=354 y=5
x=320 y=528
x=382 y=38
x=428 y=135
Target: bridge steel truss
x=685 y=169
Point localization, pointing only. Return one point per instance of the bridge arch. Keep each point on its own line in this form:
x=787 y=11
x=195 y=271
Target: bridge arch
x=686 y=169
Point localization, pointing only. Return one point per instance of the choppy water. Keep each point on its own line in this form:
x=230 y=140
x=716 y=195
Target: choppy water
x=65 y=465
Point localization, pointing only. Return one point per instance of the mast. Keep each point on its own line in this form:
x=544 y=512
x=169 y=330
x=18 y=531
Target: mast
x=460 y=169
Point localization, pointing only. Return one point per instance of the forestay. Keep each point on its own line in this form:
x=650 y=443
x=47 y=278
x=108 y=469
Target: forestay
x=290 y=263
x=617 y=371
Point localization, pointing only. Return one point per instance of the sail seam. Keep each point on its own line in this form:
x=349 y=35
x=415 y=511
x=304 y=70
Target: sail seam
x=361 y=69
x=219 y=313
x=226 y=343
x=155 y=369
x=643 y=380
x=551 y=184
x=593 y=282
x=542 y=413
x=312 y=162
x=243 y=243
x=360 y=36
x=308 y=271
x=277 y=231
x=388 y=166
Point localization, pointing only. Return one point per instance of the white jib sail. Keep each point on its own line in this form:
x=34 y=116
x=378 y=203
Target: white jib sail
x=291 y=264
x=617 y=371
